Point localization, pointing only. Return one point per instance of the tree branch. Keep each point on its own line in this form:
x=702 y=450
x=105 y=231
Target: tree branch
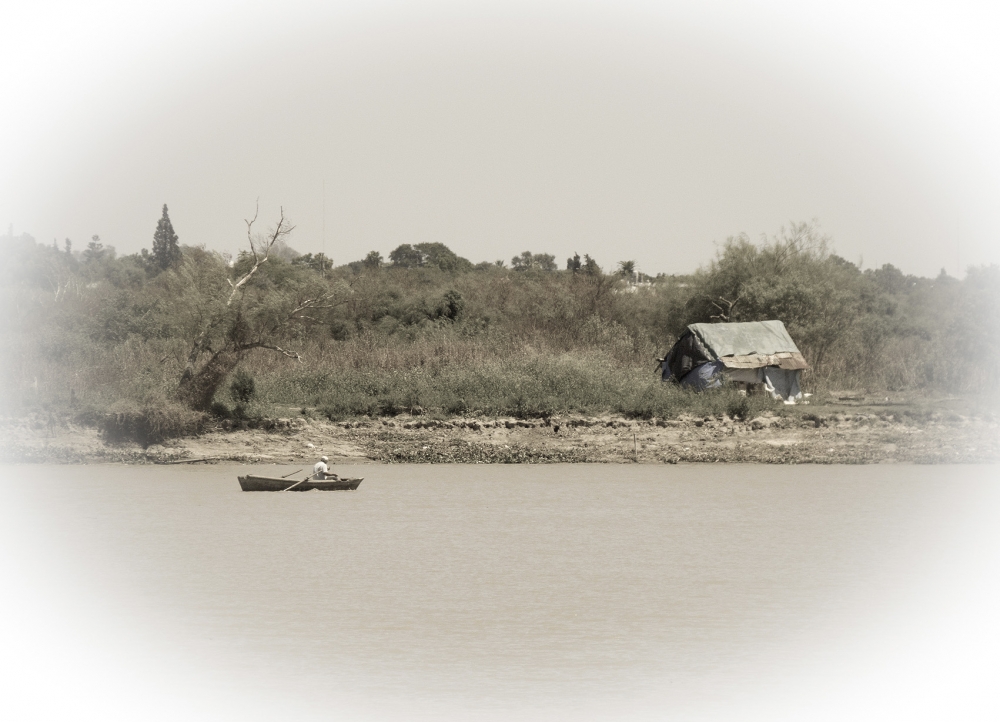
x=290 y=354
x=725 y=313
x=316 y=303
x=250 y=223
x=280 y=231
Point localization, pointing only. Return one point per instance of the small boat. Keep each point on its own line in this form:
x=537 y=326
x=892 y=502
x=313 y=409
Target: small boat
x=266 y=483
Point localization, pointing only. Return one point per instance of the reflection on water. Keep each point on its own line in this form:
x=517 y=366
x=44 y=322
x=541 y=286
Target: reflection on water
x=495 y=592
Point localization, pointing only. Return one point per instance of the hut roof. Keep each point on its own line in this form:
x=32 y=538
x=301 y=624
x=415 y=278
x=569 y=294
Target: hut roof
x=750 y=345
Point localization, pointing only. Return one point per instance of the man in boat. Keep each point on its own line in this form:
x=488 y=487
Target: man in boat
x=321 y=471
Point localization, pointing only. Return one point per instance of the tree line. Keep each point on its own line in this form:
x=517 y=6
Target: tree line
x=175 y=322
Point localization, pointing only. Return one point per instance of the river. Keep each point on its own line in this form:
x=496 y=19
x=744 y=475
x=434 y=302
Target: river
x=550 y=592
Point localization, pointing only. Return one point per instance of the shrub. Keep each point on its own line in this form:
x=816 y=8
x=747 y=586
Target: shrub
x=220 y=411
x=340 y=330
x=148 y=425
x=242 y=387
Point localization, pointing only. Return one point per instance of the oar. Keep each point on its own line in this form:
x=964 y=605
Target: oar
x=296 y=483
x=294 y=472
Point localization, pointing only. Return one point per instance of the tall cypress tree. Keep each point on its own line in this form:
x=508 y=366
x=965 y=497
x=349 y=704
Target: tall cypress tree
x=166 y=252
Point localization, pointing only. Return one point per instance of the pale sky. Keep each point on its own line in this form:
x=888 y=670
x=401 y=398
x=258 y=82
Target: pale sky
x=627 y=130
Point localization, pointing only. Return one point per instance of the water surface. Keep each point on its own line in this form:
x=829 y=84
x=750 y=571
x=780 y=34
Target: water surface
x=504 y=592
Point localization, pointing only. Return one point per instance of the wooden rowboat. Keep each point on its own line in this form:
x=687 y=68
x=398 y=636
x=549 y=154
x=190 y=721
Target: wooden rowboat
x=266 y=483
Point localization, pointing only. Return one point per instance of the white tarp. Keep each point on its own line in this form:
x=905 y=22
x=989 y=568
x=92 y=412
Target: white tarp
x=780 y=383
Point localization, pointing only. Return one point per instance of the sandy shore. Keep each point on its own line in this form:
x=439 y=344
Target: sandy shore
x=846 y=436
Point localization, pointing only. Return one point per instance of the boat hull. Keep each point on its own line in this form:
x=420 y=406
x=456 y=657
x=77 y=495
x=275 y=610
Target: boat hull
x=266 y=483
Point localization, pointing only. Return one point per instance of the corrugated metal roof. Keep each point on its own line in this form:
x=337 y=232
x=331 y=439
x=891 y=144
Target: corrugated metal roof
x=756 y=338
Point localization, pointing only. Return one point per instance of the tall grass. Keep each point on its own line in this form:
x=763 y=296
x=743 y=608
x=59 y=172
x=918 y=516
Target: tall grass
x=440 y=373
x=480 y=378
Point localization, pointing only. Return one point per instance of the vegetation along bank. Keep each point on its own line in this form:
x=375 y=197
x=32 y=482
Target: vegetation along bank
x=182 y=350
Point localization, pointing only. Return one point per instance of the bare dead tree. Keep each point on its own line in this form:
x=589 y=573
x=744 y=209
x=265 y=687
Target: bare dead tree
x=724 y=308
x=281 y=231
x=241 y=325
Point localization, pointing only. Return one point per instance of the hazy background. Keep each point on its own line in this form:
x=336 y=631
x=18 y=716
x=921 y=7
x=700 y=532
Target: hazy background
x=625 y=130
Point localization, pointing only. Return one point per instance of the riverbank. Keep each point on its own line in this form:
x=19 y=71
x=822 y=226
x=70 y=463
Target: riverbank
x=833 y=434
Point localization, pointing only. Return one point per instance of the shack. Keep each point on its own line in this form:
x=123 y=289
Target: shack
x=756 y=355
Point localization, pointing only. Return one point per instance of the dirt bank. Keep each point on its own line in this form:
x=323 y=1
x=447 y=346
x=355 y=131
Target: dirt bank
x=839 y=436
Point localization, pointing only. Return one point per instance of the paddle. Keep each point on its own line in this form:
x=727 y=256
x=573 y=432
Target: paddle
x=335 y=478
x=294 y=472
x=296 y=483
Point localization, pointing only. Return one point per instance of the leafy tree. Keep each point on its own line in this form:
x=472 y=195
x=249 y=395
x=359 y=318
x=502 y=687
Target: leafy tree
x=528 y=260
x=792 y=277
x=286 y=253
x=590 y=266
x=890 y=279
x=373 y=261
x=522 y=262
x=437 y=255
x=406 y=256
x=626 y=269
x=573 y=264
x=166 y=253
x=318 y=262
x=545 y=261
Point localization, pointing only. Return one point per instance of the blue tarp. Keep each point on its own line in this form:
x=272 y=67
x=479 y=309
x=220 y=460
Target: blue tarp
x=780 y=383
x=706 y=376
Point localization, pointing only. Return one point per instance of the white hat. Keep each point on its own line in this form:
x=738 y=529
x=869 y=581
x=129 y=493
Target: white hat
x=323 y=458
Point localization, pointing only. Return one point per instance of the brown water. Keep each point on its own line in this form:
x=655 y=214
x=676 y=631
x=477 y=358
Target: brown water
x=503 y=592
